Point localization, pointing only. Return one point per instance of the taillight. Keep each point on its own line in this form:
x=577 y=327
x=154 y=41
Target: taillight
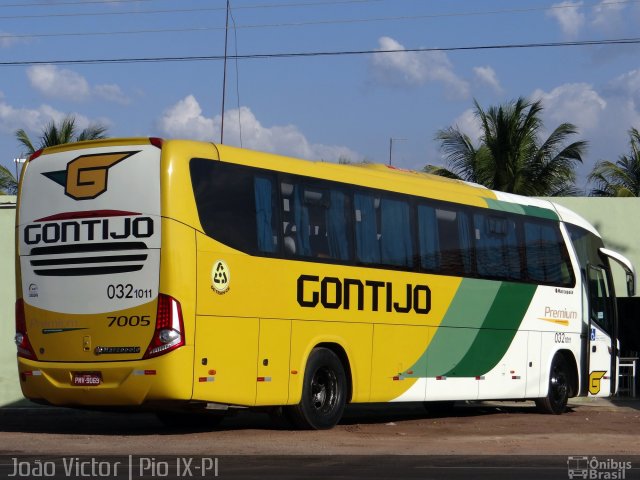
x=35 y=155
x=169 y=332
x=156 y=142
x=22 y=340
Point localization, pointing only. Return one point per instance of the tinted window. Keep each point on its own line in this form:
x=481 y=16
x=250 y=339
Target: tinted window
x=315 y=220
x=547 y=258
x=454 y=240
x=383 y=230
x=236 y=205
x=262 y=212
x=497 y=252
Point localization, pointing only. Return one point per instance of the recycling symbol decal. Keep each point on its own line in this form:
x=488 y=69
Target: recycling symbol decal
x=220 y=277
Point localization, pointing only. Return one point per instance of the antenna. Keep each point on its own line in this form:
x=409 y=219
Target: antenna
x=224 y=74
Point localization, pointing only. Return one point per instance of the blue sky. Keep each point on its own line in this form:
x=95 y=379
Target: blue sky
x=319 y=107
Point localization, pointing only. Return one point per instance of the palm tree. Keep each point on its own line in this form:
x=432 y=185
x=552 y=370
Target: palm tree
x=64 y=132
x=619 y=179
x=510 y=156
x=8 y=183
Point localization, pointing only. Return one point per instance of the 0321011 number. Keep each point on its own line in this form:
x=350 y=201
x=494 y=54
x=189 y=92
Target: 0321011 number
x=132 y=321
x=120 y=291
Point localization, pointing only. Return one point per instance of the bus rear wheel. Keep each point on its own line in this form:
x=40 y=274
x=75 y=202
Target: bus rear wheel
x=559 y=387
x=323 y=392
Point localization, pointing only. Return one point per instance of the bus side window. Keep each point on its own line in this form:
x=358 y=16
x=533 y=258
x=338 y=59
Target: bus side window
x=599 y=298
x=366 y=227
x=428 y=239
x=455 y=241
x=396 y=245
x=338 y=226
x=292 y=219
x=317 y=202
x=546 y=262
x=497 y=252
x=316 y=221
x=226 y=203
x=265 y=198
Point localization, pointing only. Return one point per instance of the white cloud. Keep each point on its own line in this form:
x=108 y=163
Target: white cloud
x=607 y=15
x=627 y=84
x=569 y=16
x=54 y=82
x=111 y=93
x=488 y=76
x=469 y=124
x=186 y=120
x=33 y=120
x=577 y=103
x=416 y=68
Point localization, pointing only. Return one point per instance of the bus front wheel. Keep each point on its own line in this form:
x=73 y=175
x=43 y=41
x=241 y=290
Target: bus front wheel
x=559 y=387
x=323 y=392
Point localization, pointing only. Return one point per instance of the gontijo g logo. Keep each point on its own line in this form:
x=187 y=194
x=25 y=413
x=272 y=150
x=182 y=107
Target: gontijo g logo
x=86 y=176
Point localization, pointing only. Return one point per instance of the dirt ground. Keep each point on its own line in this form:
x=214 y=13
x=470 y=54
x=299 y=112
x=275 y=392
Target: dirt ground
x=590 y=427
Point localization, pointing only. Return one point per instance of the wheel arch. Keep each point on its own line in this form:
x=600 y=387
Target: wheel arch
x=574 y=372
x=344 y=359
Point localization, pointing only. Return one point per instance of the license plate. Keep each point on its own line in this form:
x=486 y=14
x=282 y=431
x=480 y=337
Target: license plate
x=87 y=379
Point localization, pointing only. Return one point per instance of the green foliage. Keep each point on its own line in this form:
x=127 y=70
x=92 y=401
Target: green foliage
x=8 y=183
x=511 y=158
x=60 y=133
x=619 y=179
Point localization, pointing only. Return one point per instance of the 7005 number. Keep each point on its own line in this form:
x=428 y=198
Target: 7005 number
x=132 y=321
x=127 y=290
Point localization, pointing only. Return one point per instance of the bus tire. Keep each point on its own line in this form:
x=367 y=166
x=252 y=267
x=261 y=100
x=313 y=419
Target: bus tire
x=559 y=387
x=323 y=392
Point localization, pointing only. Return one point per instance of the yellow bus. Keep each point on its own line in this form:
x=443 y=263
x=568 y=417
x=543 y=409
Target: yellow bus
x=183 y=276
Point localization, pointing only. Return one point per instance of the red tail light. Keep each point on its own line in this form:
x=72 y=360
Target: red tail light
x=22 y=340
x=35 y=154
x=156 y=142
x=169 y=332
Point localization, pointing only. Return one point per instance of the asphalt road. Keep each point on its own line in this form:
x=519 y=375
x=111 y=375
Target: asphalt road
x=475 y=440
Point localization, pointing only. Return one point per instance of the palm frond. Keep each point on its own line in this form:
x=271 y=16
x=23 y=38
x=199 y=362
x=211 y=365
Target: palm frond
x=8 y=183
x=25 y=141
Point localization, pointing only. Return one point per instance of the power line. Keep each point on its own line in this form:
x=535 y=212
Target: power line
x=253 y=56
x=188 y=10
x=59 y=4
x=306 y=23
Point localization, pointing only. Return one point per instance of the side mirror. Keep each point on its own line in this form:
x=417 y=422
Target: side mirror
x=627 y=266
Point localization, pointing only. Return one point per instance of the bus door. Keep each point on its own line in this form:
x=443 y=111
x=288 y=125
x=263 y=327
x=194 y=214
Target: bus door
x=602 y=349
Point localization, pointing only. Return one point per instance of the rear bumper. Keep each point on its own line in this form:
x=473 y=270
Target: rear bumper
x=131 y=383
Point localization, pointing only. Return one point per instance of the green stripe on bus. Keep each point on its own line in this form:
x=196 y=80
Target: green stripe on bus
x=541 y=212
x=497 y=332
x=522 y=209
x=505 y=206
x=459 y=327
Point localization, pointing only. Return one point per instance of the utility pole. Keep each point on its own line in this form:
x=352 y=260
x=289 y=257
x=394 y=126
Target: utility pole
x=224 y=74
x=391 y=140
x=18 y=161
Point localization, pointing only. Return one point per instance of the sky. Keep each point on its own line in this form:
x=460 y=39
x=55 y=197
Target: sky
x=326 y=104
